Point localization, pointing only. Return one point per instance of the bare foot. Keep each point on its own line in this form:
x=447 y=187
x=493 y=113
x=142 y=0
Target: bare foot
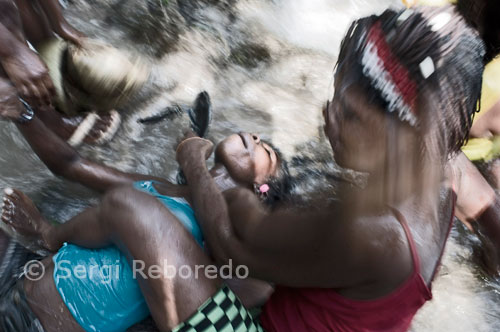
x=21 y=214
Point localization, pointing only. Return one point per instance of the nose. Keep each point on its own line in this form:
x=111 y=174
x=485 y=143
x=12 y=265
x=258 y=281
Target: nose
x=255 y=138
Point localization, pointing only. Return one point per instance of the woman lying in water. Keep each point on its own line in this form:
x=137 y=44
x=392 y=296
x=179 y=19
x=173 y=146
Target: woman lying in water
x=407 y=84
x=112 y=301
x=406 y=88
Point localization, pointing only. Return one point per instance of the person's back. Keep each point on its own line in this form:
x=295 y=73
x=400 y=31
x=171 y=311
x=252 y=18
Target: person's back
x=397 y=114
x=349 y=310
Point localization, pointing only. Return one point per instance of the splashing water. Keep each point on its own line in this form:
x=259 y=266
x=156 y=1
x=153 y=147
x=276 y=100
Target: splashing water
x=268 y=66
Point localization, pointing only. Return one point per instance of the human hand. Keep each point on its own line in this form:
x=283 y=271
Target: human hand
x=30 y=76
x=193 y=148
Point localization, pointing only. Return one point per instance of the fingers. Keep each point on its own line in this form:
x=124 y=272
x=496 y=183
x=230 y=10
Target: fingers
x=189 y=134
x=44 y=94
x=34 y=93
x=37 y=93
x=194 y=147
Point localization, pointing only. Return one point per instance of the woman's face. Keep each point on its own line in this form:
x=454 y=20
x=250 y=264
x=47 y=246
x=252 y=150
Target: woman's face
x=247 y=159
x=357 y=130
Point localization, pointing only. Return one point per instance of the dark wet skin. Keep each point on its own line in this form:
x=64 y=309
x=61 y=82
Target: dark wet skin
x=137 y=231
x=296 y=249
x=300 y=249
x=356 y=247
x=37 y=21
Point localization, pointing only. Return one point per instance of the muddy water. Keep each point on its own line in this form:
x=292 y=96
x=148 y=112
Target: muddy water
x=268 y=67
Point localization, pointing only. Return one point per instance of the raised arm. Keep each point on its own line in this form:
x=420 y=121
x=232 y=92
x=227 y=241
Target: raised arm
x=294 y=249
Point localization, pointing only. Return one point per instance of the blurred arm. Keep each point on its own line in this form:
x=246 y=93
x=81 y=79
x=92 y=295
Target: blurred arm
x=64 y=161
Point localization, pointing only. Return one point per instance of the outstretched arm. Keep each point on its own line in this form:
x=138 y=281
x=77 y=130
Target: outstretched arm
x=64 y=161
x=294 y=249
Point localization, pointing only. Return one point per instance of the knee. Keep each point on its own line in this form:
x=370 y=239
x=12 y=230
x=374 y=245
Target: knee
x=118 y=199
x=118 y=202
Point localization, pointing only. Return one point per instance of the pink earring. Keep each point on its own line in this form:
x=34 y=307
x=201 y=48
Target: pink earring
x=264 y=188
x=261 y=190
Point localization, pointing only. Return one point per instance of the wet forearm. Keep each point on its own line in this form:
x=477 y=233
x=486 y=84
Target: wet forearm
x=11 y=31
x=210 y=207
x=56 y=154
x=8 y=42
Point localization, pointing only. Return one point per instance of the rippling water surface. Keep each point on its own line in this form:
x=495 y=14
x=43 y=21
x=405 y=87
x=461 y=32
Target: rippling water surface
x=268 y=67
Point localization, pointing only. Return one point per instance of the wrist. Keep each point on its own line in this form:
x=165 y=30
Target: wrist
x=27 y=115
x=12 y=49
x=191 y=151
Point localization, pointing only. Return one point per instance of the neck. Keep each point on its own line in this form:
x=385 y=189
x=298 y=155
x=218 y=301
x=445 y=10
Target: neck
x=394 y=186
x=222 y=178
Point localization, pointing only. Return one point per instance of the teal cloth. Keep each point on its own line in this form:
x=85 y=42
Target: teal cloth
x=97 y=285
x=178 y=206
x=98 y=288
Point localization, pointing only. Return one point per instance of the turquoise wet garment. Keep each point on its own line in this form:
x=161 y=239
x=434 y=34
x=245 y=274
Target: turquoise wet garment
x=178 y=206
x=98 y=288
x=97 y=285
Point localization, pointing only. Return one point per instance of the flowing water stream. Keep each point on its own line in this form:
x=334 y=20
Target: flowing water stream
x=268 y=66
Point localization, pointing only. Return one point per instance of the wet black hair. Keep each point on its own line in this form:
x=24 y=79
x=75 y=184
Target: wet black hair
x=281 y=184
x=482 y=15
x=449 y=97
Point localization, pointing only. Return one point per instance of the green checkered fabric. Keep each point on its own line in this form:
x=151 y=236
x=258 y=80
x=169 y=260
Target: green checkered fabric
x=221 y=313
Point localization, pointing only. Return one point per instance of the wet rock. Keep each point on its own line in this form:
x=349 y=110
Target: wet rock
x=155 y=24
x=249 y=55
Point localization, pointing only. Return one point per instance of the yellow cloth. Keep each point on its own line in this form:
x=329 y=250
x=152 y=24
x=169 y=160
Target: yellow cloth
x=491 y=86
x=482 y=149
x=478 y=149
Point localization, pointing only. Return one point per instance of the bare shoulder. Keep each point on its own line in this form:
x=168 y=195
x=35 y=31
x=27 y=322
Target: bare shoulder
x=377 y=248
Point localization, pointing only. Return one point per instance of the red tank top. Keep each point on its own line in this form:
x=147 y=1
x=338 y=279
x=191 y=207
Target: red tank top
x=324 y=310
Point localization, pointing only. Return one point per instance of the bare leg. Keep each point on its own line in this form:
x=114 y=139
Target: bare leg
x=47 y=304
x=146 y=231
x=21 y=214
x=43 y=297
